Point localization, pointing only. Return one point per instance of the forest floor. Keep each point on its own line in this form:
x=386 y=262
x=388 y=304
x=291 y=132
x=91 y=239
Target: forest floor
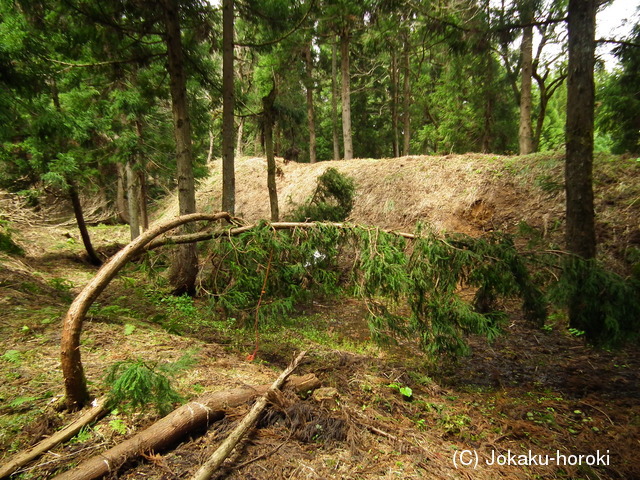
x=532 y=390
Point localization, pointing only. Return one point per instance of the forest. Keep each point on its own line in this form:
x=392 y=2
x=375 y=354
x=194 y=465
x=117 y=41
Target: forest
x=307 y=239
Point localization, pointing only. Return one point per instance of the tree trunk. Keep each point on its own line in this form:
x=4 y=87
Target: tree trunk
x=190 y=418
x=487 y=129
x=334 y=101
x=525 y=134
x=184 y=268
x=394 y=102
x=580 y=233
x=239 y=144
x=143 y=214
x=267 y=105
x=346 y=95
x=132 y=200
x=142 y=200
x=228 y=102
x=82 y=226
x=406 y=98
x=76 y=393
x=310 y=110
x=542 y=112
x=121 y=197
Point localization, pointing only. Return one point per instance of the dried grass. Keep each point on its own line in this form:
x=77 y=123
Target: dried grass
x=466 y=193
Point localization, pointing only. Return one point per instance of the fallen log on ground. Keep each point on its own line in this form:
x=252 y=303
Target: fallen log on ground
x=167 y=431
x=211 y=465
x=21 y=459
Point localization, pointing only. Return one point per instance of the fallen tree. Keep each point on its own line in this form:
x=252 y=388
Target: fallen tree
x=224 y=450
x=168 y=431
x=76 y=392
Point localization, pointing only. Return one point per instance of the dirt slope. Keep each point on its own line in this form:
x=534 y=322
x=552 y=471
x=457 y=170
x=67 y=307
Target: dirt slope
x=470 y=193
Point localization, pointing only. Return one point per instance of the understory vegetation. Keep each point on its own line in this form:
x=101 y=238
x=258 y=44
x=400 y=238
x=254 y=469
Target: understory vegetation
x=414 y=287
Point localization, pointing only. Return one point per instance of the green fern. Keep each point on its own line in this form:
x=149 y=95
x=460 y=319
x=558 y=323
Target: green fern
x=136 y=384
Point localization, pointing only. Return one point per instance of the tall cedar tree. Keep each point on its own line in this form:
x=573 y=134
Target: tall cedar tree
x=228 y=102
x=185 y=264
x=580 y=232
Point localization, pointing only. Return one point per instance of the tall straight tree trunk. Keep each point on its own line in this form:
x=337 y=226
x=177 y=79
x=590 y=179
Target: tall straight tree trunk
x=82 y=225
x=141 y=182
x=121 y=196
x=580 y=232
x=132 y=200
x=228 y=105
x=346 y=95
x=542 y=112
x=267 y=106
x=334 y=100
x=487 y=130
x=239 y=143
x=525 y=134
x=406 y=98
x=184 y=268
x=310 y=110
x=393 y=74
x=142 y=200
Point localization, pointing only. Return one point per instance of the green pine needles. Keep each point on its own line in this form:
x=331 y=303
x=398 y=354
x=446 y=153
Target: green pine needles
x=388 y=271
x=136 y=384
x=299 y=263
x=602 y=304
x=332 y=200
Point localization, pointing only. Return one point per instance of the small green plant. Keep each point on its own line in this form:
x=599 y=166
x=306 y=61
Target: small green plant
x=129 y=329
x=576 y=332
x=118 y=426
x=61 y=284
x=136 y=384
x=84 y=435
x=12 y=356
x=405 y=391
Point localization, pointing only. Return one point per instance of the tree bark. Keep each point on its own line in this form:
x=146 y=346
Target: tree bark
x=228 y=102
x=525 y=134
x=184 y=267
x=224 y=450
x=394 y=102
x=132 y=200
x=311 y=117
x=267 y=106
x=189 y=418
x=346 y=95
x=76 y=392
x=143 y=214
x=580 y=232
x=239 y=144
x=121 y=196
x=406 y=97
x=334 y=101
x=82 y=225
